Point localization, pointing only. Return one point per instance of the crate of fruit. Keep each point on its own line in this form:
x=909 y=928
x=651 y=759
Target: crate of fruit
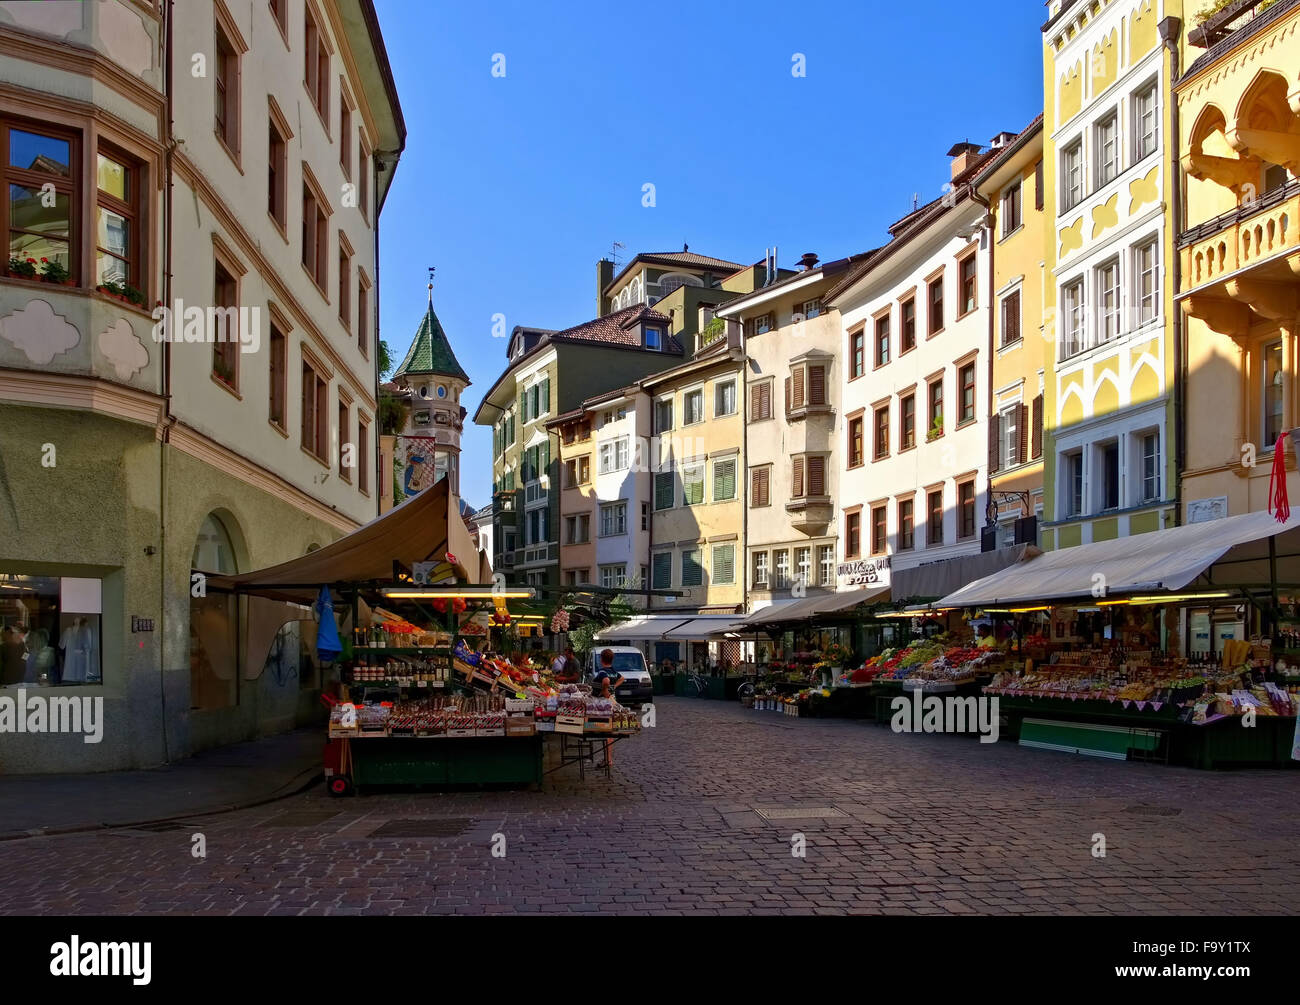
x=572 y=724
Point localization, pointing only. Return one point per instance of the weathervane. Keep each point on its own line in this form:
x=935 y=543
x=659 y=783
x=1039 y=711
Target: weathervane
x=432 y=270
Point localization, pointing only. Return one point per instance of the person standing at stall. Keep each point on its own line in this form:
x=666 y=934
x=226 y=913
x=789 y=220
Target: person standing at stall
x=565 y=667
x=606 y=680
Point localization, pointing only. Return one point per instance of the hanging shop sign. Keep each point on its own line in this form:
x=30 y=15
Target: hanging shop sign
x=432 y=573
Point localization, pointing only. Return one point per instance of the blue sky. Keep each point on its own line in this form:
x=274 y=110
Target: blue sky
x=515 y=186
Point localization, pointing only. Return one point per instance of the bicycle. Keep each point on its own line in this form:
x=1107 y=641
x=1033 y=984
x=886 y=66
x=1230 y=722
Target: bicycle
x=747 y=688
x=698 y=681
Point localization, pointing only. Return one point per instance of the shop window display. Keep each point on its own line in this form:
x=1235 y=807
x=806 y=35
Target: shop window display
x=50 y=630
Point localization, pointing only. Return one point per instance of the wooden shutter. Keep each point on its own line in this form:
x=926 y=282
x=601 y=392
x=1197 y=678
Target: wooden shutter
x=816 y=476
x=787 y=395
x=1038 y=427
x=724 y=562
x=817 y=385
x=1022 y=427
x=759 y=489
x=1038 y=185
x=797 y=478
x=995 y=438
x=546 y=397
x=798 y=398
x=663 y=570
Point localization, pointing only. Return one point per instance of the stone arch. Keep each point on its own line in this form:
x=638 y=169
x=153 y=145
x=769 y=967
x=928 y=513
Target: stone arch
x=1210 y=121
x=1105 y=393
x=1264 y=105
x=1145 y=382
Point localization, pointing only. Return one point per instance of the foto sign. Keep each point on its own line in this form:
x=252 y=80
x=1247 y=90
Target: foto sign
x=864 y=572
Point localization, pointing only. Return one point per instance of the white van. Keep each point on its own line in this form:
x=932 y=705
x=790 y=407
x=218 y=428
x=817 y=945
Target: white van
x=637 y=688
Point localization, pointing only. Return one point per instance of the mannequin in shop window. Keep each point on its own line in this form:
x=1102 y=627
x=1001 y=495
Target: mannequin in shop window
x=78 y=645
x=40 y=657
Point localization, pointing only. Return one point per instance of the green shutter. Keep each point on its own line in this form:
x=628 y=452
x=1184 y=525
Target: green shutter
x=546 y=396
x=692 y=571
x=724 y=480
x=693 y=490
x=724 y=564
x=664 y=490
x=663 y=570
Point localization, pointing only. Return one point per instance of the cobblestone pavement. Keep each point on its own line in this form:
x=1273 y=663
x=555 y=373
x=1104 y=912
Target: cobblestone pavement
x=700 y=817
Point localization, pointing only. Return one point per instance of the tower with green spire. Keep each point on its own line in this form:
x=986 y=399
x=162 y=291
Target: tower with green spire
x=429 y=445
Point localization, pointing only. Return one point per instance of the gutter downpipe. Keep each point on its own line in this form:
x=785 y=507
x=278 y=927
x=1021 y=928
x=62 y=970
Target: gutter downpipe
x=168 y=420
x=978 y=199
x=1170 y=30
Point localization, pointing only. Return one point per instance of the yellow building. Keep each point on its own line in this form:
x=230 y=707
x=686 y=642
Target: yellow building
x=1012 y=185
x=1108 y=467
x=1239 y=115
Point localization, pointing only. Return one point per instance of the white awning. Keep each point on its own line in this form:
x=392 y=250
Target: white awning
x=701 y=627
x=647 y=627
x=837 y=602
x=1220 y=554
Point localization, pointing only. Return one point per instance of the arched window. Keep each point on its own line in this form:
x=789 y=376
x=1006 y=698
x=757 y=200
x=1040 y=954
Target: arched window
x=213 y=549
x=214 y=620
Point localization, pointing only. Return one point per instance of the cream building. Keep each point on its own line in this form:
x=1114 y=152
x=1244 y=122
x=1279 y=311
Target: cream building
x=202 y=157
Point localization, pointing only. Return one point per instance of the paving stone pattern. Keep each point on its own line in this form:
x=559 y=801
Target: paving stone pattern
x=701 y=818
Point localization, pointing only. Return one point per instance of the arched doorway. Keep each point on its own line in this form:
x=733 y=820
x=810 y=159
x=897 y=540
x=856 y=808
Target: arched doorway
x=214 y=620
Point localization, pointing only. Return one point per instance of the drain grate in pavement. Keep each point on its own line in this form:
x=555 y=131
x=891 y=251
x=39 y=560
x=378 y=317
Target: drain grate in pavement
x=1153 y=811
x=798 y=812
x=427 y=828
x=302 y=818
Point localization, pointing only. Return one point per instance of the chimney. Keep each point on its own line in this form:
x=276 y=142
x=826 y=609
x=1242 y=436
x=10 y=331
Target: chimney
x=963 y=156
x=604 y=276
x=1002 y=139
x=809 y=261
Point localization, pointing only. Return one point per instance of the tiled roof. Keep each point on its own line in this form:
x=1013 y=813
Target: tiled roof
x=430 y=352
x=684 y=259
x=618 y=328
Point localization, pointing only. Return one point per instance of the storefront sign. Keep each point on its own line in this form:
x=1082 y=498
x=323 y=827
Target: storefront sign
x=867 y=572
x=431 y=573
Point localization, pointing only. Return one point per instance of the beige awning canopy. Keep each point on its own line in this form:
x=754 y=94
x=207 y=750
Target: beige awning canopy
x=1220 y=554
x=814 y=606
x=425 y=528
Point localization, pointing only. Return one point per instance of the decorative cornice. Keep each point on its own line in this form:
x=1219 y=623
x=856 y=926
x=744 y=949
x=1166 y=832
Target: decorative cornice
x=270 y=274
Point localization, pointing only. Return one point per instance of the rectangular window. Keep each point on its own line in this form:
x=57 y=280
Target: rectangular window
x=907 y=334
x=661 y=570
x=760 y=570
x=811 y=309
x=43 y=175
x=968 y=288
x=614 y=455
x=664 y=416
x=117 y=226
x=692 y=567
x=225 y=73
x=280 y=11
x=880 y=444
x=50 y=626
x=345 y=135
x=852 y=535
x=316 y=58
x=1146 y=272
x=935 y=416
x=1273 y=394
x=966 y=379
x=1150 y=467
x=1107 y=146
x=759 y=486
x=1039 y=193
x=796 y=477
x=760 y=402
x=692 y=407
x=613 y=519
x=857 y=354
x=279 y=378
x=345 y=283
x=907 y=422
x=1109 y=458
x=906 y=525
x=966 y=510
x=577 y=528
x=724 y=398
x=1011 y=210
x=1072 y=175
x=1073 y=319
x=934 y=518
x=315 y=392
x=692 y=484
x=1146 y=122
x=665 y=490
x=345 y=429
x=363 y=455
x=724 y=480
x=612 y=577
x=762 y=325
x=225 y=346
x=1074 y=483
x=855 y=442
x=781 y=565
x=1011 y=319
x=935 y=293
x=879 y=530
x=795 y=389
x=315 y=237
x=363 y=314
x=882 y=340
x=724 y=564
x=826 y=564
x=363 y=178
x=1108 y=294
x=277 y=175
x=815 y=469
x=816 y=384
x=803 y=566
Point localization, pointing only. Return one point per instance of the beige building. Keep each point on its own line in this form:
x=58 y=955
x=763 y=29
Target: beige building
x=226 y=163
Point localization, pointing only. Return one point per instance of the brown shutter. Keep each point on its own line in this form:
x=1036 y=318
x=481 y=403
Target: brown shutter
x=995 y=455
x=760 y=492
x=1022 y=427
x=755 y=404
x=799 y=398
x=1038 y=427
x=797 y=479
x=787 y=395
x=816 y=476
x=817 y=385
x=767 y=400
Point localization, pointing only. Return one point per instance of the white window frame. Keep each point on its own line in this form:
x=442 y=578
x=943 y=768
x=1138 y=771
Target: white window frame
x=1146 y=306
x=1072 y=185
x=698 y=468
x=762 y=570
x=716 y=565
x=672 y=415
x=1008 y=437
x=686 y=407
x=718 y=388
x=614 y=513
x=1074 y=496
x=1105 y=135
x=1142 y=146
x=613 y=577
x=1112 y=316
x=826 y=562
x=1016 y=188
x=1149 y=469
x=1074 y=318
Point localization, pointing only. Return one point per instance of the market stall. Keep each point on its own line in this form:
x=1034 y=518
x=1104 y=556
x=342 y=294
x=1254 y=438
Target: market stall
x=1172 y=645
x=427 y=690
